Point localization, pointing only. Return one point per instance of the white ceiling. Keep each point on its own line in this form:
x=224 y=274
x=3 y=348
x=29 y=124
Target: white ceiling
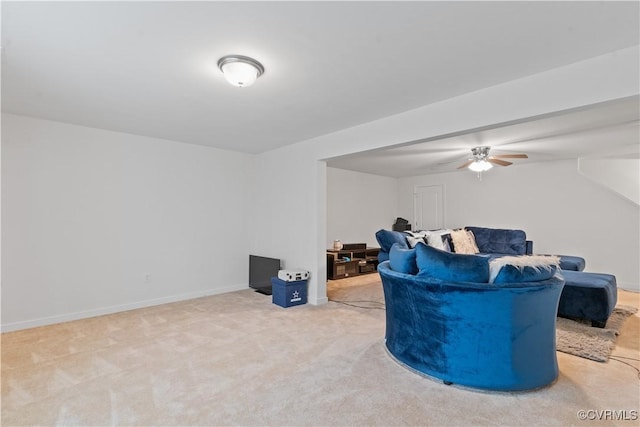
x=149 y=68
x=607 y=129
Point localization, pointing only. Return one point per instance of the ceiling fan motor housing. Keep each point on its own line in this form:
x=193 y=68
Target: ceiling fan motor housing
x=480 y=153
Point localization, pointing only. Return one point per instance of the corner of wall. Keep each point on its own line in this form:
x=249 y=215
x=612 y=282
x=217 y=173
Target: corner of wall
x=620 y=176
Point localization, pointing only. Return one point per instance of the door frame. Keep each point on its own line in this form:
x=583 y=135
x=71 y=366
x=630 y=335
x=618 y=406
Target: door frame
x=440 y=211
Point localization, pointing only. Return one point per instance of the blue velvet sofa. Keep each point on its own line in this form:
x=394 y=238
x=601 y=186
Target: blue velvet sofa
x=444 y=319
x=586 y=296
x=490 y=241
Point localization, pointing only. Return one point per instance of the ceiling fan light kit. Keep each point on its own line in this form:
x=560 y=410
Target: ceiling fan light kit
x=480 y=166
x=481 y=162
x=240 y=71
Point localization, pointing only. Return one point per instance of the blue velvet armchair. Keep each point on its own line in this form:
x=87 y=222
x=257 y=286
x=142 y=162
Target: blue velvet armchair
x=482 y=335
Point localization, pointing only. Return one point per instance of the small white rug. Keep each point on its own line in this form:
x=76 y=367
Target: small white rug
x=580 y=339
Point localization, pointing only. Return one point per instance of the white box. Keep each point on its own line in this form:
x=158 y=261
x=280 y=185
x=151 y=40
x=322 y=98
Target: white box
x=293 y=275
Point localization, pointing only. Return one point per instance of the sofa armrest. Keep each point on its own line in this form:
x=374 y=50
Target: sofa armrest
x=529 y=247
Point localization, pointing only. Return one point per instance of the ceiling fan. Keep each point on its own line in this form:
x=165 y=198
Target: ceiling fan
x=481 y=161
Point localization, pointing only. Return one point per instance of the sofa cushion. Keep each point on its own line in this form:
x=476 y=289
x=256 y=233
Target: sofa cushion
x=500 y=241
x=387 y=238
x=513 y=274
x=570 y=262
x=525 y=268
x=453 y=267
x=590 y=296
x=403 y=260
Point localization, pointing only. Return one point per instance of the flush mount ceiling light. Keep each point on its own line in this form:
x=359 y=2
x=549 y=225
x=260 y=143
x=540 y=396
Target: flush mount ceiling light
x=239 y=70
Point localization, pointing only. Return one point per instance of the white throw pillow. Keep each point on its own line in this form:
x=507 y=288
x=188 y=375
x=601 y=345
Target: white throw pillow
x=434 y=239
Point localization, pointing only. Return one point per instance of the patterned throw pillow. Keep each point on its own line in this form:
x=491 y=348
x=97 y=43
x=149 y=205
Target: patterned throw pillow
x=440 y=239
x=464 y=242
x=415 y=237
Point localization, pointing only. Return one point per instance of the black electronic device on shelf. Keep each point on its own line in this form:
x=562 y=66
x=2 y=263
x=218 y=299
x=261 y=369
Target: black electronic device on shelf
x=261 y=270
x=401 y=224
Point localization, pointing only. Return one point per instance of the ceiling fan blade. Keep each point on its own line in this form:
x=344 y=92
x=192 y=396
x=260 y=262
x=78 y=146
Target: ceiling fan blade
x=498 y=162
x=510 y=156
x=464 y=165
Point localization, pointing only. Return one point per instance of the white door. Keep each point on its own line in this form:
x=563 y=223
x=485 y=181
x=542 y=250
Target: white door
x=428 y=207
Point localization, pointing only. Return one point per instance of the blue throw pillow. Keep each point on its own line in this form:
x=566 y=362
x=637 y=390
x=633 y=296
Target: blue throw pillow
x=512 y=274
x=452 y=267
x=387 y=238
x=403 y=260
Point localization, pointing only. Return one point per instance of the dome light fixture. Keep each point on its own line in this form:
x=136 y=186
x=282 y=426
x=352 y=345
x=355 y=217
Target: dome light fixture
x=240 y=71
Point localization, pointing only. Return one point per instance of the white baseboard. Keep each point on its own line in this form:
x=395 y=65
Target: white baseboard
x=629 y=286
x=319 y=301
x=34 y=323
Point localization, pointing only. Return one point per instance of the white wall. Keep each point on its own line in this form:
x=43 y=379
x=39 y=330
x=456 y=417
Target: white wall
x=298 y=172
x=289 y=215
x=88 y=213
x=358 y=205
x=619 y=175
x=558 y=208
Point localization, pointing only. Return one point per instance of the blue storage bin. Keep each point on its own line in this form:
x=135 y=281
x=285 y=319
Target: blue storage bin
x=288 y=294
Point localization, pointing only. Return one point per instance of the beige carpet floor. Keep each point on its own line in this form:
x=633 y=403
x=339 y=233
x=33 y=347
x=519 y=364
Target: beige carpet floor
x=237 y=359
